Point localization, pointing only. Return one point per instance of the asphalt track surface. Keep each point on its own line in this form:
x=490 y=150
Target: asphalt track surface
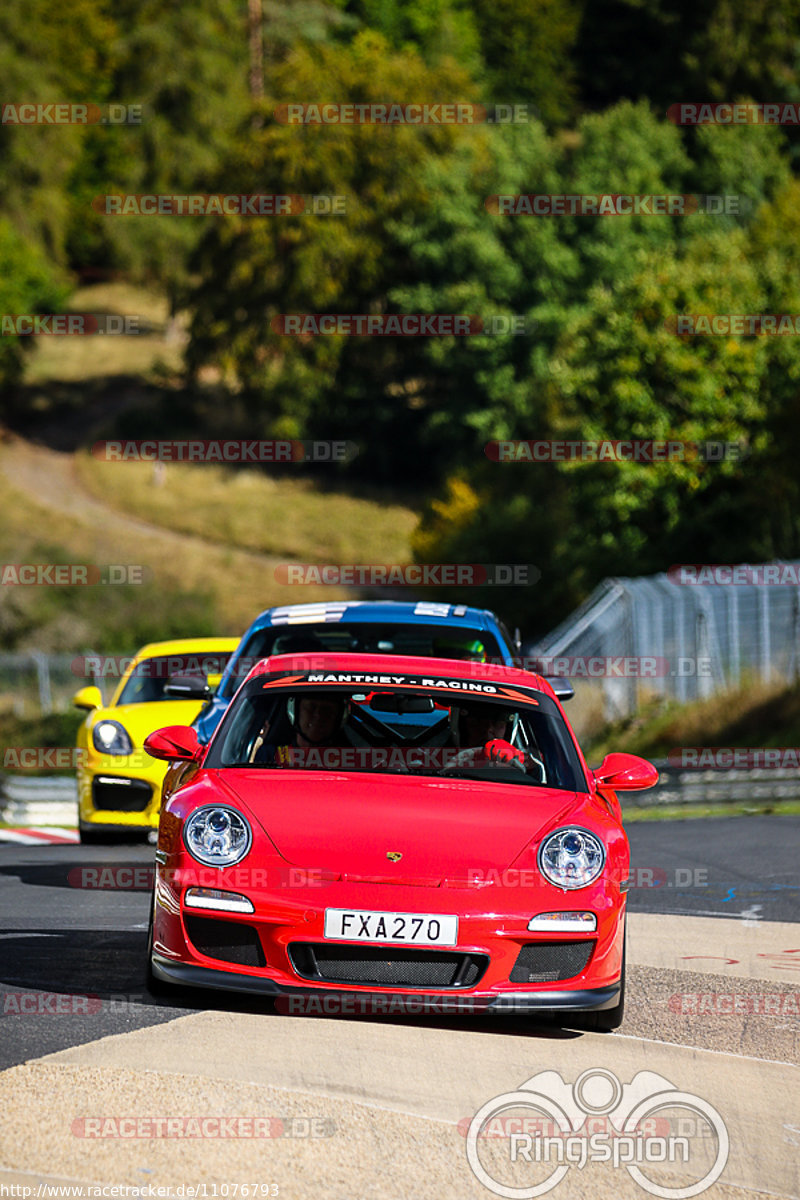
x=378 y=1106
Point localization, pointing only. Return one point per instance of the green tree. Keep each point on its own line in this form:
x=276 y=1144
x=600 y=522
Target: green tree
x=528 y=53
x=251 y=270
x=48 y=54
x=28 y=284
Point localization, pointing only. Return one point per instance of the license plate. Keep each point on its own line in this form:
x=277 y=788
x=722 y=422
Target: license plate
x=402 y=929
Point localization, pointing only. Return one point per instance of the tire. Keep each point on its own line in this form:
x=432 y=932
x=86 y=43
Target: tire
x=92 y=835
x=155 y=987
x=606 y=1019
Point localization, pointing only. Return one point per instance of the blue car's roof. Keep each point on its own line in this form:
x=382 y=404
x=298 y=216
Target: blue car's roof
x=354 y=612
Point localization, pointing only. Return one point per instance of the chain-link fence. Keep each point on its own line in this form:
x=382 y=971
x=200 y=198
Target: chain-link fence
x=634 y=638
x=631 y=639
x=33 y=683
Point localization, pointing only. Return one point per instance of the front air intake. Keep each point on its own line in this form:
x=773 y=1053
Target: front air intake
x=547 y=962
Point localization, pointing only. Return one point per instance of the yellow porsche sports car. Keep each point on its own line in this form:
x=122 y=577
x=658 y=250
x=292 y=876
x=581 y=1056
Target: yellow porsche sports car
x=119 y=784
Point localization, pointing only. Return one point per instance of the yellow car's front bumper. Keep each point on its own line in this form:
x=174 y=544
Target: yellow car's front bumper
x=120 y=791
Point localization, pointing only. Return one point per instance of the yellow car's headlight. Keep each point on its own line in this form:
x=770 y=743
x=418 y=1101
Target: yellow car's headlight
x=109 y=737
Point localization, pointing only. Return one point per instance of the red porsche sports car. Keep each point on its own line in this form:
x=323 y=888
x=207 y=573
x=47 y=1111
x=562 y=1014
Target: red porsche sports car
x=366 y=826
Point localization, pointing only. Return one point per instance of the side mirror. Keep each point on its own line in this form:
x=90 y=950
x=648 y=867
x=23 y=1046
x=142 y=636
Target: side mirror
x=562 y=687
x=174 y=742
x=625 y=773
x=187 y=687
x=89 y=697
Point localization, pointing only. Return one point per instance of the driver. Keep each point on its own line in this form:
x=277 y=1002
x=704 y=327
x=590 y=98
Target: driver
x=482 y=730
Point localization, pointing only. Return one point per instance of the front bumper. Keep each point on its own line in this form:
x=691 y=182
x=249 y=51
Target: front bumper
x=268 y=952
x=577 y=1000
x=113 y=793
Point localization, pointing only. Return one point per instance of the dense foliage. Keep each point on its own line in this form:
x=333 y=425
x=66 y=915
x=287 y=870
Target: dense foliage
x=597 y=357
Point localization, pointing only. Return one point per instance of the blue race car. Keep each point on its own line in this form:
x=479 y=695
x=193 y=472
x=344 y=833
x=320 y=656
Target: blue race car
x=419 y=628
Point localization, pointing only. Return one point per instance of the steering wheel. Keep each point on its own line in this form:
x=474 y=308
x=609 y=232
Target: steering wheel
x=530 y=761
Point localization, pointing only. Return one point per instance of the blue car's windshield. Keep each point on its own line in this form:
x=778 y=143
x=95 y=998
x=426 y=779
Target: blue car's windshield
x=425 y=641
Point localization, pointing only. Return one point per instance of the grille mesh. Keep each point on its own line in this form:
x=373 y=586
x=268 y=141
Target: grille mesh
x=387 y=967
x=120 y=797
x=545 y=962
x=229 y=941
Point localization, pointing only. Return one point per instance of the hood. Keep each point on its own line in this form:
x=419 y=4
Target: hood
x=442 y=829
x=141 y=719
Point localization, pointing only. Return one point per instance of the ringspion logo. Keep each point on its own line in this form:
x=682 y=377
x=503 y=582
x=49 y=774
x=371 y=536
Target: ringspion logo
x=534 y=1136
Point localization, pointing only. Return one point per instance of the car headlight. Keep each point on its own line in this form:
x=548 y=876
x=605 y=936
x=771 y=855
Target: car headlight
x=217 y=836
x=571 y=858
x=110 y=737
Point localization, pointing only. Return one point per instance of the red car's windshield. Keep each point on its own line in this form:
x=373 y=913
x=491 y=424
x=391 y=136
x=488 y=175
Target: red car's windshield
x=399 y=730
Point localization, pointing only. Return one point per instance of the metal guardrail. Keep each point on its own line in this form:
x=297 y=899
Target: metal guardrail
x=678 y=786
x=653 y=636
x=53 y=800
x=38 y=800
